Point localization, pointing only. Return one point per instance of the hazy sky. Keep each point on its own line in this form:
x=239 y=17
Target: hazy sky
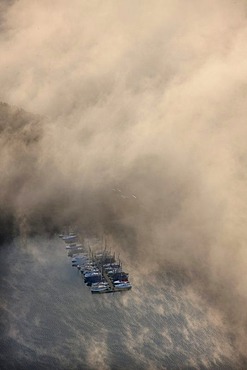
x=145 y=96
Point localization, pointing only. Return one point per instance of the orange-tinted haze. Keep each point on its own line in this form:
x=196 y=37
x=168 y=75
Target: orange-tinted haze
x=146 y=97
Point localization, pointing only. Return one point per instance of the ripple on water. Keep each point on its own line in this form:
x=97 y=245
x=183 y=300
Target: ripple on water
x=51 y=319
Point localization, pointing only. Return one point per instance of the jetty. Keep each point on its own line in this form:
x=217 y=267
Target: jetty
x=108 y=280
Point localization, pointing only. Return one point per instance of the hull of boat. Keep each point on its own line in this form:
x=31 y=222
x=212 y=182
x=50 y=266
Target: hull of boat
x=122 y=288
x=101 y=291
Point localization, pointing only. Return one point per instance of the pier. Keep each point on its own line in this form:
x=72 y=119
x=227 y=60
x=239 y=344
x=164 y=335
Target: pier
x=106 y=277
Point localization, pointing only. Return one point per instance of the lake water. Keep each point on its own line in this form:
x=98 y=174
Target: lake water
x=50 y=319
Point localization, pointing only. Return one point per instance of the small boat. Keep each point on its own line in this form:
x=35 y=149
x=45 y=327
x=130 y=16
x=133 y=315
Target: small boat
x=122 y=285
x=81 y=261
x=101 y=287
x=92 y=273
x=100 y=283
x=73 y=246
x=68 y=238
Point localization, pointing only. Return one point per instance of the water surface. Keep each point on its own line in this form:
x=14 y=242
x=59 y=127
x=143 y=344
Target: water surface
x=50 y=319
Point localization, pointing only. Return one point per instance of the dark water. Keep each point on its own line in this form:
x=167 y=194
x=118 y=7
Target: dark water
x=50 y=320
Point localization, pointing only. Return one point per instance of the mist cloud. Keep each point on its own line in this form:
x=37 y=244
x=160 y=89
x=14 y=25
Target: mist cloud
x=148 y=98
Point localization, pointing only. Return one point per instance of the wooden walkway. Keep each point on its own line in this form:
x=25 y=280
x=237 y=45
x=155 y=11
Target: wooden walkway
x=106 y=277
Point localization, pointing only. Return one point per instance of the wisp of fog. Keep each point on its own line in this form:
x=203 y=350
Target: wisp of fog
x=137 y=121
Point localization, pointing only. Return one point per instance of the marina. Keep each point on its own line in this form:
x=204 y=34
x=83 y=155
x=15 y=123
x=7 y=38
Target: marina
x=99 y=269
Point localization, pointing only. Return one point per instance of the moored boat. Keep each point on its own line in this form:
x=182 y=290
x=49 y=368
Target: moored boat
x=101 y=287
x=122 y=285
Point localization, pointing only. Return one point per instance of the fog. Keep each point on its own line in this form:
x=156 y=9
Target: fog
x=136 y=126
